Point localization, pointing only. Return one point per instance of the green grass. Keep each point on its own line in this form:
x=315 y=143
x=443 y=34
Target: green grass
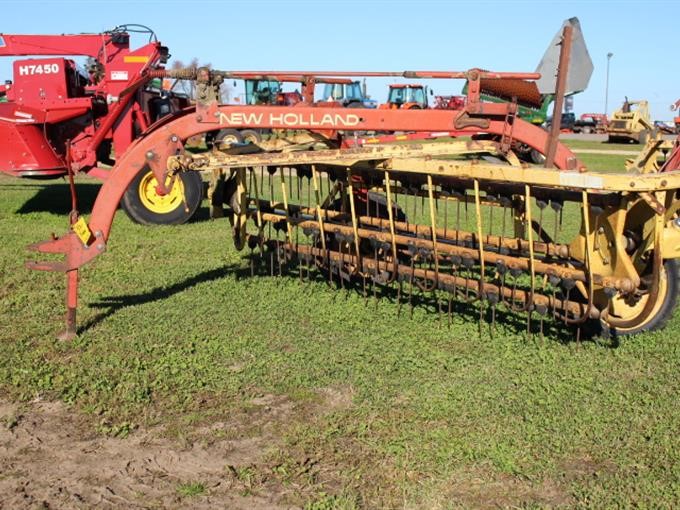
x=386 y=412
x=600 y=145
x=190 y=489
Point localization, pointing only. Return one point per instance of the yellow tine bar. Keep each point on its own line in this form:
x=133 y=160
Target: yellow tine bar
x=289 y=228
x=480 y=233
x=315 y=179
x=388 y=188
x=530 y=235
x=355 y=226
x=433 y=224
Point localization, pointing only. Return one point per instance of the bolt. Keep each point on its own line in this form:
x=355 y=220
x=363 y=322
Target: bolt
x=677 y=222
x=174 y=138
x=150 y=155
x=100 y=247
x=664 y=183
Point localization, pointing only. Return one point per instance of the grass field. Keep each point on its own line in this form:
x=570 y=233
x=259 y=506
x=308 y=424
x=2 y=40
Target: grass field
x=382 y=411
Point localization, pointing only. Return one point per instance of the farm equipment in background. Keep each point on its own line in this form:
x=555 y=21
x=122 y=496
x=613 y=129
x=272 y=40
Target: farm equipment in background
x=350 y=95
x=449 y=102
x=591 y=123
x=567 y=122
x=632 y=123
x=407 y=96
x=675 y=107
x=462 y=226
x=59 y=119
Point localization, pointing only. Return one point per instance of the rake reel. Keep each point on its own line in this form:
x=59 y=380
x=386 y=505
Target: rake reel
x=458 y=221
x=461 y=221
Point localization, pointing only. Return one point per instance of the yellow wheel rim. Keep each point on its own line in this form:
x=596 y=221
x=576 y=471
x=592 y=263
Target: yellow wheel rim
x=620 y=309
x=160 y=204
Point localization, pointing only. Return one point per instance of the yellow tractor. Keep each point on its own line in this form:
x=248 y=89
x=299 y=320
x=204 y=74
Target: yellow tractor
x=631 y=123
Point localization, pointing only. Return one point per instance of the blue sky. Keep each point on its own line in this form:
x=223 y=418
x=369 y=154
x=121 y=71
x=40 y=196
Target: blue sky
x=392 y=35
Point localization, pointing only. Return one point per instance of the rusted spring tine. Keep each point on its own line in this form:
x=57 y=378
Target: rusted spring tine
x=355 y=224
x=319 y=219
x=369 y=265
x=480 y=244
x=289 y=228
x=623 y=284
x=591 y=291
x=433 y=228
x=390 y=215
x=258 y=216
x=532 y=269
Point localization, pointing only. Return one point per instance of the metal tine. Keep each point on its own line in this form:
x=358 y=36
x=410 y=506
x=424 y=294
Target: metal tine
x=355 y=229
x=452 y=292
x=400 y=285
x=530 y=238
x=410 y=281
x=271 y=263
x=480 y=245
x=433 y=229
x=457 y=221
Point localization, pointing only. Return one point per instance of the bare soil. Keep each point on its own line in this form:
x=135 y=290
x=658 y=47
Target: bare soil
x=51 y=457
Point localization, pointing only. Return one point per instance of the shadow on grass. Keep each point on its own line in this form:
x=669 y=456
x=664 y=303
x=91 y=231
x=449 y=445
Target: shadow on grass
x=55 y=198
x=493 y=323
x=112 y=304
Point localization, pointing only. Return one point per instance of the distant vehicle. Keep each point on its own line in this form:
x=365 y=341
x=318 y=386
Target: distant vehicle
x=631 y=123
x=665 y=126
x=591 y=123
x=406 y=97
x=567 y=122
x=350 y=95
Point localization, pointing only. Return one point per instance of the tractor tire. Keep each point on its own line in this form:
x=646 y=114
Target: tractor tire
x=251 y=136
x=536 y=157
x=145 y=206
x=226 y=137
x=662 y=311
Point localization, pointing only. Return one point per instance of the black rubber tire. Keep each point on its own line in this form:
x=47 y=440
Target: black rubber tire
x=251 y=136
x=536 y=157
x=227 y=137
x=665 y=311
x=136 y=210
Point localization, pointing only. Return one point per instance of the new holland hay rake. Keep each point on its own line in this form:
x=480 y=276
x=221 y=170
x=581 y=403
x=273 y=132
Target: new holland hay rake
x=460 y=220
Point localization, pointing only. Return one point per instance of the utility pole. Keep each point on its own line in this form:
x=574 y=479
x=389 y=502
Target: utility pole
x=606 y=87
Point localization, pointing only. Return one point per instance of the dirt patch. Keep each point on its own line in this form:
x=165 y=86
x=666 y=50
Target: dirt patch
x=484 y=489
x=52 y=458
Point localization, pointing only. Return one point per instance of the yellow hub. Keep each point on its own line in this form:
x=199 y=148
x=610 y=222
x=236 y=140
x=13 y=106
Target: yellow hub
x=160 y=204
x=622 y=309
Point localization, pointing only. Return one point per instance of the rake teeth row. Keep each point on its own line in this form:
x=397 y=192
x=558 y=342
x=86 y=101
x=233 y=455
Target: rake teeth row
x=351 y=235
x=433 y=224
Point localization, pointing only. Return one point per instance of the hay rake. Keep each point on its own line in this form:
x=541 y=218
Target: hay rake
x=460 y=220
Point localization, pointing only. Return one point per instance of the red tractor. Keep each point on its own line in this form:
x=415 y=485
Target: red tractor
x=57 y=117
x=406 y=97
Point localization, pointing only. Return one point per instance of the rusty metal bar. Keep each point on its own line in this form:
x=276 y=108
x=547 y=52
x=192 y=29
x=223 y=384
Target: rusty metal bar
x=562 y=73
x=367 y=264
